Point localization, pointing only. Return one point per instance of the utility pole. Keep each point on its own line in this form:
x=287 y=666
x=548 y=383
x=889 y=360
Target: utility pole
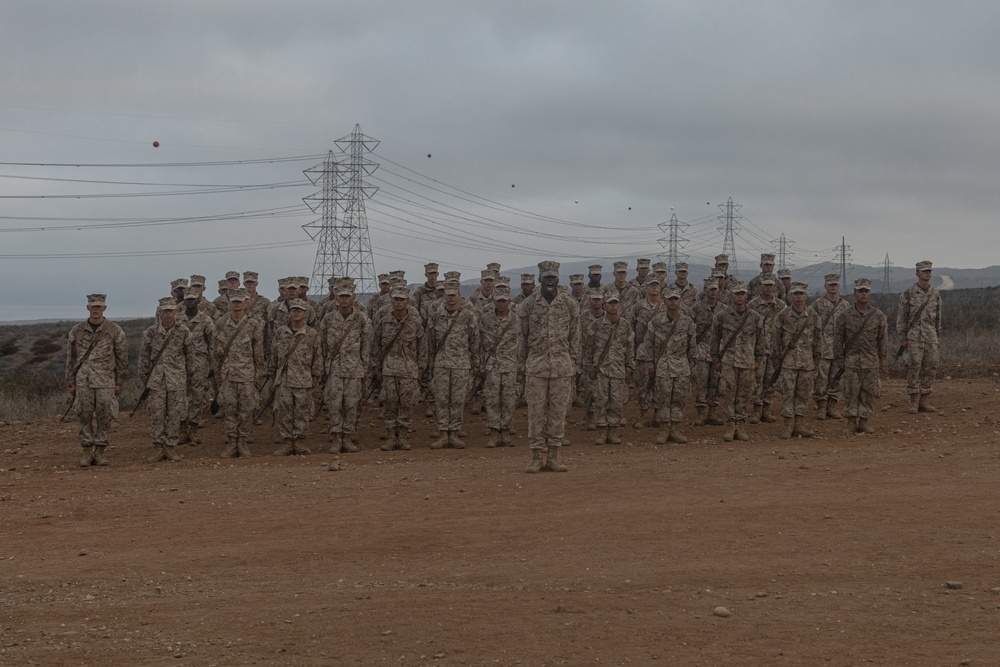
x=886 y=265
x=343 y=246
x=844 y=251
x=672 y=242
x=783 y=245
x=730 y=216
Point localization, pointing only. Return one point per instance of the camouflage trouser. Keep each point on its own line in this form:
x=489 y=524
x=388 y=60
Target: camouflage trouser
x=763 y=374
x=671 y=397
x=451 y=388
x=198 y=393
x=343 y=399
x=399 y=396
x=582 y=387
x=500 y=392
x=796 y=390
x=293 y=407
x=166 y=410
x=706 y=383
x=239 y=402
x=822 y=389
x=735 y=391
x=645 y=393
x=95 y=407
x=921 y=368
x=610 y=395
x=861 y=387
x=548 y=400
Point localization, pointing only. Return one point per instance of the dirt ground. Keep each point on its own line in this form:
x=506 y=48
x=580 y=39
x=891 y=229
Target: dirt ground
x=831 y=550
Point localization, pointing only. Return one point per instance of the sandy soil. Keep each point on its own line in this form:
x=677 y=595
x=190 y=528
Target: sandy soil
x=832 y=550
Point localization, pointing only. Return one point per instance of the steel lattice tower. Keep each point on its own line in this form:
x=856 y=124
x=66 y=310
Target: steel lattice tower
x=844 y=251
x=672 y=242
x=783 y=245
x=343 y=247
x=886 y=265
x=730 y=216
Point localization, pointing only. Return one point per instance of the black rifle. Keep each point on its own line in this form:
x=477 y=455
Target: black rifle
x=142 y=399
x=69 y=406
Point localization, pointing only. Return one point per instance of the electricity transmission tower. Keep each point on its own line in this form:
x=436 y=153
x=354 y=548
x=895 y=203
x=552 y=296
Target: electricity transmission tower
x=730 y=216
x=844 y=251
x=783 y=245
x=343 y=246
x=672 y=242
x=886 y=265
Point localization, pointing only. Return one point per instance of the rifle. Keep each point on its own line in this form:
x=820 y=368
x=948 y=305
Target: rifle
x=69 y=406
x=899 y=353
x=142 y=399
x=374 y=386
x=152 y=366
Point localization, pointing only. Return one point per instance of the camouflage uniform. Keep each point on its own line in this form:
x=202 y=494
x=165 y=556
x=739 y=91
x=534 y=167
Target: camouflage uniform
x=868 y=336
x=237 y=376
x=583 y=387
x=670 y=344
x=452 y=344
x=105 y=368
x=627 y=295
x=613 y=368
x=293 y=374
x=260 y=307
x=689 y=295
x=347 y=365
x=202 y=330
x=167 y=382
x=922 y=338
x=704 y=375
x=763 y=397
x=499 y=351
x=400 y=367
x=639 y=316
x=737 y=377
x=797 y=358
x=825 y=393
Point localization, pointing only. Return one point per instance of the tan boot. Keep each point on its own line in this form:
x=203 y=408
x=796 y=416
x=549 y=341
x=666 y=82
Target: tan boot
x=390 y=437
x=159 y=455
x=730 y=431
x=494 y=440
x=230 y=451
x=299 y=448
x=243 y=449
x=441 y=441
x=602 y=436
x=505 y=437
x=193 y=438
x=86 y=457
x=613 y=438
x=185 y=436
x=924 y=406
x=699 y=419
x=755 y=414
x=99 y=459
x=675 y=434
x=402 y=433
x=821 y=410
x=863 y=426
x=336 y=443
x=171 y=455
x=740 y=433
x=347 y=443
x=537 y=461
x=831 y=410
x=914 y=404
x=801 y=430
x=713 y=419
x=453 y=440
x=852 y=426
x=663 y=436
x=552 y=463
x=641 y=422
x=787 y=433
x=286 y=449
x=766 y=416
x=588 y=423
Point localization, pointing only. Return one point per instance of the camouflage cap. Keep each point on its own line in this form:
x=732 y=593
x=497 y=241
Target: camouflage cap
x=503 y=280
x=398 y=280
x=493 y=266
x=232 y=275
x=438 y=285
x=239 y=294
x=191 y=293
x=487 y=274
x=595 y=293
x=501 y=293
x=223 y=284
x=383 y=279
x=767 y=258
x=332 y=281
x=285 y=282
x=452 y=287
x=642 y=263
x=302 y=281
x=529 y=278
x=660 y=266
x=398 y=273
x=452 y=275
x=711 y=283
x=595 y=268
x=197 y=281
x=97 y=299
x=737 y=287
x=718 y=273
x=722 y=259
x=784 y=273
x=767 y=279
x=297 y=304
x=399 y=291
x=180 y=282
x=798 y=288
x=577 y=279
x=250 y=276
x=863 y=284
x=548 y=268
x=167 y=303
x=670 y=293
x=621 y=266
x=832 y=279
x=345 y=288
x=652 y=281
x=681 y=266
x=612 y=297
x=924 y=265
x=431 y=267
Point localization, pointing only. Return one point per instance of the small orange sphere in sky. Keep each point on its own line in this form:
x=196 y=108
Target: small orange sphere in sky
x=156 y=144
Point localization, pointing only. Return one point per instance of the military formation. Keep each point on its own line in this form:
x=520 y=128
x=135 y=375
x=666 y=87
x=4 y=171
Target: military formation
x=732 y=349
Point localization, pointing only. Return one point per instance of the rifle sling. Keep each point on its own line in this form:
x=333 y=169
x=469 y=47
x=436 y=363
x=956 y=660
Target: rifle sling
x=438 y=346
x=666 y=340
x=916 y=316
x=856 y=335
x=732 y=339
x=229 y=345
x=795 y=338
x=385 y=353
x=90 y=348
x=607 y=345
x=343 y=337
x=288 y=356
x=159 y=353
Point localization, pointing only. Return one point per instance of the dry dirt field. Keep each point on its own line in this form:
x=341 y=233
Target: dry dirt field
x=831 y=550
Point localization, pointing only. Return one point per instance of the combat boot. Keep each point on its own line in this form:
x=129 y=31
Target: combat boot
x=713 y=419
x=821 y=410
x=552 y=463
x=441 y=441
x=401 y=434
x=537 y=461
x=159 y=455
x=453 y=440
x=588 y=423
x=87 y=457
x=505 y=437
x=663 y=436
x=852 y=426
x=230 y=451
x=699 y=419
x=675 y=434
x=242 y=448
x=641 y=422
x=924 y=406
x=336 y=443
x=613 y=438
x=347 y=443
x=739 y=433
x=863 y=426
x=286 y=449
x=787 y=433
x=730 y=431
x=193 y=438
x=171 y=455
x=185 y=436
x=766 y=416
x=299 y=448
x=390 y=437
x=755 y=415
x=602 y=436
x=801 y=430
x=494 y=440
x=831 y=410
x=99 y=459
x=914 y=404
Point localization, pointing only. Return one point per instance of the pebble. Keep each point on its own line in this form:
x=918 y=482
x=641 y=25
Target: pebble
x=722 y=611
x=83 y=552
x=333 y=467
x=954 y=585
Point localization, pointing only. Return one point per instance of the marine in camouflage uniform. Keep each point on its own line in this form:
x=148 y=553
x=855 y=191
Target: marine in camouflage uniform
x=578 y=289
x=798 y=340
x=197 y=282
x=499 y=351
x=726 y=281
x=785 y=278
x=641 y=274
x=259 y=304
x=703 y=373
x=377 y=301
x=768 y=305
x=527 y=288
x=737 y=343
x=484 y=292
x=295 y=369
x=920 y=335
x=166 y=362
x=96 y=367
x=626 y=292
x=609 y=362
x=453 y=355
x=239 y=365
x=638 y=317
x=595 y=272
x=232 y=282
x=399 y=352
x=426 y=291
x=766 y=268
x=550 y=331
x=688 y=292
x=347 y=345
x=825 y=391
x=583 y=385
x=861 y=343
x=202 y=330
x=670 y=342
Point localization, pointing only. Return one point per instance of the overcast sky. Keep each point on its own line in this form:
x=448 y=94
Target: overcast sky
x=872 y=121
